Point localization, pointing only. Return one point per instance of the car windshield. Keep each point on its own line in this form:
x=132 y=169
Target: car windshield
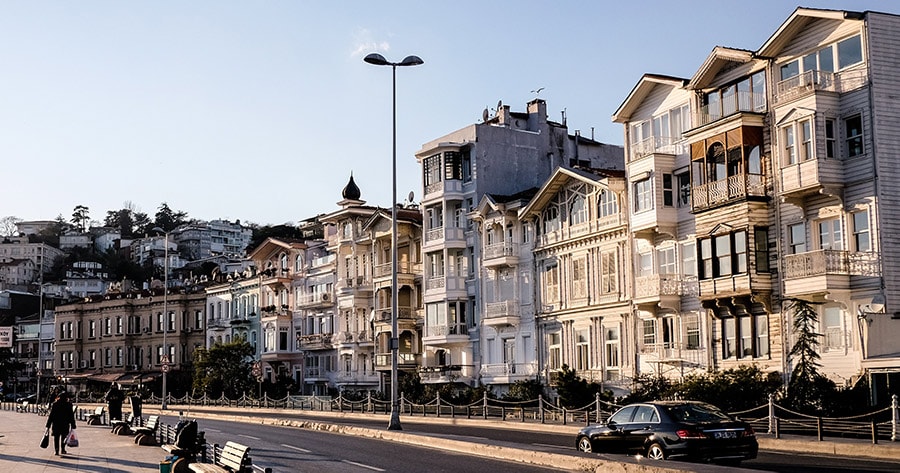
x=696 y=413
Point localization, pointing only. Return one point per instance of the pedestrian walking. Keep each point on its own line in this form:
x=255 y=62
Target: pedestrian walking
x=60 y=420
x=114 y=399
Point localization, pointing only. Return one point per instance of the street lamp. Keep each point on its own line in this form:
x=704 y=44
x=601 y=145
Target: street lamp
x=165 y=324
x=379 y=60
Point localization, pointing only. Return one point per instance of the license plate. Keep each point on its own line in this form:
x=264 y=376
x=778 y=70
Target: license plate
x=725 y=435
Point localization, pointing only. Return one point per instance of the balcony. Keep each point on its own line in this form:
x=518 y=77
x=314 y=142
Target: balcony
x=440 y=374
x=501 y=254
x=723 y=191
x=454 y=237
x=505 y=373
x=819 y=81
x=407 y=273
x=736 y=103
x=446 y=189
x=663 y=289
x=656 y=145
x=356 y=378
x=319 y=341
x=315 y=374
x=569 y=232
x=404 y=361
x=501 y=313
x=446 y=335
x=689 y=353
x=811 y=177
x=823 y=270
x=349 y=338
x=404 y=313
x=279 y=355
x=308 y=301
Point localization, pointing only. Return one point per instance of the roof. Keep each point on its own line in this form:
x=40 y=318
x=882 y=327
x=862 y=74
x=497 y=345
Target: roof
x=797 y=22
x=641 y=90
x=718 y=58
x=557 y=181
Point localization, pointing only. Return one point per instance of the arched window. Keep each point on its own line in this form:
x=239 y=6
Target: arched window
x=578 y=212
x=715 y=162
x=298 y=262
x=284 y=261
x=607 y=203
x=551 y=219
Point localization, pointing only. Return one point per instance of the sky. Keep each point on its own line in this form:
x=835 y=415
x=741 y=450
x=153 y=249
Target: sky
x=260 y=111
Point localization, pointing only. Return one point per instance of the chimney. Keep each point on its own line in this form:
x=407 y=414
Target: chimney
x=537 y=114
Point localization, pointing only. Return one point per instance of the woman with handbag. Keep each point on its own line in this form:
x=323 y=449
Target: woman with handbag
x=60 y=420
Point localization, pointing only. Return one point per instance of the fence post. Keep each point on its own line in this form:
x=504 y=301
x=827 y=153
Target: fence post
x=597 y=402
x=402 y=403
x=541 y=406
x=438 y=402
x=564 y=415
x=874 y=432
x=821 y=434
x=777 y=428
x=369 y=401
x=895 y=418
x=484 y=406
x=772 y=426
x=522 y=408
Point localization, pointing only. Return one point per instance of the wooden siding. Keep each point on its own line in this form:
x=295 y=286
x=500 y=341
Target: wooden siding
x=815 y=34
x=884 y=51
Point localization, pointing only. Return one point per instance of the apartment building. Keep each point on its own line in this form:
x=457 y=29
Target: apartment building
x=233 y=311
x=503 y=155
x=777 y=188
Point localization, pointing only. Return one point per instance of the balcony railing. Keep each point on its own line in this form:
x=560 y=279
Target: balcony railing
x=734 y=187
x=314 y=299
x=499 y=250
x=811 y=81
x=837 y=262
x=507 y=369
x=656 y=285
x=447 y=330
x=656 y=144
x=739 y=102
x=691 y=353
x=435 y=283
x=384 y=359
x=403 y=267
x=405 y=313
x=601 y=224
x=319 y=340
x=501 y=309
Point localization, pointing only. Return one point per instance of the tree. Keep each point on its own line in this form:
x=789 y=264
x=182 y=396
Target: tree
x=524 y=390
x=80 y=217
x=168 y=219
x=575 y=392
x=807 y=388
x=225 y=368
x=9 y=226
x=734 y=389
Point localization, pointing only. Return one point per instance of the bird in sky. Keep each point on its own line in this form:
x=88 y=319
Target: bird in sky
x=537 y=91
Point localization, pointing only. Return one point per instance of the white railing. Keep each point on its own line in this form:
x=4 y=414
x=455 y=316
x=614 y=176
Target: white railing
x=434 y=234
x=656 y=144
x=739 y=102
x=501 y=309
x=674 y=352
x=446 y=330
x=499 y=250
x=506 y=369
x=838 y=262
x=724 y=190
x=572 y=231
x=656 y=285
x=810 y=81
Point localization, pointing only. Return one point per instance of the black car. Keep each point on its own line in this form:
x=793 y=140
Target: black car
x=672 y=429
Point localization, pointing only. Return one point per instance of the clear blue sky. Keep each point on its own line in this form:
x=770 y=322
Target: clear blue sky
x=259 y=111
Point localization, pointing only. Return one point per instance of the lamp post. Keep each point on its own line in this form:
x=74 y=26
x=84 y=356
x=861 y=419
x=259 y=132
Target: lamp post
x=379 y=60
x=165 y=324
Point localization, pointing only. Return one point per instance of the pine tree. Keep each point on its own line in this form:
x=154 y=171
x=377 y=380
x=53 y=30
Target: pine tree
x=807 y=387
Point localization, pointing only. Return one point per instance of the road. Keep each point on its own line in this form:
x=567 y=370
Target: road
x=303 y=449
x=290 y=449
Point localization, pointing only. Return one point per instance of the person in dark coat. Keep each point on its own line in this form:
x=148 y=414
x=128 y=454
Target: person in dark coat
x=114 y=399
x=60 y=420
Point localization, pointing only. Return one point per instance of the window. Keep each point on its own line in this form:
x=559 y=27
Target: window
x=806 y=144
x=645 y=264
x=791 y=69
x=706 y=264
x=830 y=237
x=555 y=348
x=582 y=350
x=607 y=203
x=578 y=212
x=452 y=165
x=92 y=329
x=119 y=325
x=740 y=252
x=761 y=249
x=612 y=347
x=432 y=170
x=467 y=165
x=668 y=191
x=790 y=149
x=649 y=332
x=643 y=197
x=723 y=255
x=832 y=328
x=849 y=52
x=762 y=336
x=728 y=337
x=829 y=138
x=666 y=260
x=861 y=241
x=681 y=121
x=624 y=415
x=579 y=278
x=746 y=337
x=683 y=181
x=797 y=238
x=692 y=331
x=854 y=141
x=551 y=283
x=608 y=272
x=689 y=259
x=551 y=219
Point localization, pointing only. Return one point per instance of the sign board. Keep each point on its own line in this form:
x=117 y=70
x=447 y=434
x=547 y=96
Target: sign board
x=165 y=368
x=6 y=337
x=164 y=360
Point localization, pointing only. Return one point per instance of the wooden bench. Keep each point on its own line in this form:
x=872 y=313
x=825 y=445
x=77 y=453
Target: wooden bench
x=146 y=435
x=232 y=458
x=123 y=427
x=22 y=407
x=97 y=417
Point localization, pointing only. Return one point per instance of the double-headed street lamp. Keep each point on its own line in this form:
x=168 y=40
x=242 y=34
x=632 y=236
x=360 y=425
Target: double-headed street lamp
x=165 y=322
x=379 y=60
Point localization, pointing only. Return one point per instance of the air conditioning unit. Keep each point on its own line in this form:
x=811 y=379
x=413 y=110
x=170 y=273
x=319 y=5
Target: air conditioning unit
x=82 y=364
x=132 y=367
x=325 y=297
x=146 y=329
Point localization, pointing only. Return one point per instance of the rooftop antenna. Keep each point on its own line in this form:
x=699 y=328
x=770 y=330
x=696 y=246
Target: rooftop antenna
x=563 y=112
x=484 y=115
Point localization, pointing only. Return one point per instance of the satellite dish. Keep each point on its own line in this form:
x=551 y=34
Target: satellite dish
x=484 y=115
x=411 y=195
x=499 y=105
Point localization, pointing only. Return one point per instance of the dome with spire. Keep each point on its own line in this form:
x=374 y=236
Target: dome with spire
x=351 y=191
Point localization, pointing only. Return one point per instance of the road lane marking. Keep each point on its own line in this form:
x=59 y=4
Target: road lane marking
x=249 y=437
x=564 y=447
x=362 y=465
x=212 y=430
x=303 y=450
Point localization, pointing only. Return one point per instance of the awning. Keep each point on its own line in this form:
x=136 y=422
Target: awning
x=137 y=378
x=105 y=377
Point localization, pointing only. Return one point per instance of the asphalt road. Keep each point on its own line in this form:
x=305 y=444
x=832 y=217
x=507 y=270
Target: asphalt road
x=323 y=450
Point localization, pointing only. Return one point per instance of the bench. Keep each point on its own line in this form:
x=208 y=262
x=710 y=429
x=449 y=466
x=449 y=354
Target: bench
x=232 y=458
x=123 y=427
x=183 y=442
x=146 y=435
x=22 y=407
x=97 y=417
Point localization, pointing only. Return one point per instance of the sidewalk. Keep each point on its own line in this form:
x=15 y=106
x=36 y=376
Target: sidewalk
x=99 y=452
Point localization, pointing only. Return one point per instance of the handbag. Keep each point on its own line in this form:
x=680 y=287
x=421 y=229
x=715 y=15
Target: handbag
x=72 y=439
x=45 y=441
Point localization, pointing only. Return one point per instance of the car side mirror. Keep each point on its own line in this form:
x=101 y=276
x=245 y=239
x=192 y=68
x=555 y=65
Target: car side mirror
x=611 y=424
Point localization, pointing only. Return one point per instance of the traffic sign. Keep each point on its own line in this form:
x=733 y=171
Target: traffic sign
x=165 y=368
x=165 y=359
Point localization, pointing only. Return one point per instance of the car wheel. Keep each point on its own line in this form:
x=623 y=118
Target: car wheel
x=656 y=452
x=584 y=445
